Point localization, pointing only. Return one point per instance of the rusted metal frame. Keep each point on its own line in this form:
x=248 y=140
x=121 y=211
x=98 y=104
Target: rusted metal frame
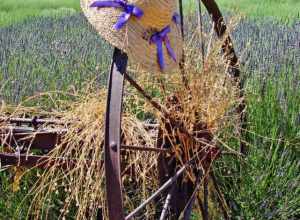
x=44 y=162
x=113 y=135
x=232 y=60
x=27 y=130
x=34 y=121
x=45 y=121
x=46 y=140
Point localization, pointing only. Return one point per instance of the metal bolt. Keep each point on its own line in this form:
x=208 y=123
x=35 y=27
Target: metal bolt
x=113 y=145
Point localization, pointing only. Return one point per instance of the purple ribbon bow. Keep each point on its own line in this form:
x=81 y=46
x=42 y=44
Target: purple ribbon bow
x=129 y=10
x=159 y=38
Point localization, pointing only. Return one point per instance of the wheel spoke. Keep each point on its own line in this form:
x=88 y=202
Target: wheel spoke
x=190 y=204
x=166 y=205
x=205 y=198
x=164 y=187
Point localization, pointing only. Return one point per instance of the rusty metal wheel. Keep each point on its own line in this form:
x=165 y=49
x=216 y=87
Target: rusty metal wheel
x=179 y=195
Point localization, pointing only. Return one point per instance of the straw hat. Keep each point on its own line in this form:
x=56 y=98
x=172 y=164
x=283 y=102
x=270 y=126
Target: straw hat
x=150 y=27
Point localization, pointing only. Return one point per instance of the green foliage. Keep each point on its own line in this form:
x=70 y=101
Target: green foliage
x=266 y=184
x=18 y=10
x=283 y=10
x=14 y=205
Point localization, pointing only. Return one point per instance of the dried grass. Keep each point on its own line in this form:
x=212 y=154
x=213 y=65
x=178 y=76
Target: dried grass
x=207 y=107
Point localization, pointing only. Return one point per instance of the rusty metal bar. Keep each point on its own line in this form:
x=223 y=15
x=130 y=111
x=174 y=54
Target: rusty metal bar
x=44 y=162
x=44 y=140
x=138 y=148
x=200 y=203
x=33 y=121
x=220 y=29
x=200 y=21
x=113 y=135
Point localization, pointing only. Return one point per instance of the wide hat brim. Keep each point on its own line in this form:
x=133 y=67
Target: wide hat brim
x=134 y=37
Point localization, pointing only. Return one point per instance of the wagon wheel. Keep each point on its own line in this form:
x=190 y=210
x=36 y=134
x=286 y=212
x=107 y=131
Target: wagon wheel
x=178 y=202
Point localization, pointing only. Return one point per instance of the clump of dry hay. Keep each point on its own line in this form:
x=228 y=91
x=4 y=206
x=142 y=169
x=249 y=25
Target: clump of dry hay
x=82 y=185
x=209 y=101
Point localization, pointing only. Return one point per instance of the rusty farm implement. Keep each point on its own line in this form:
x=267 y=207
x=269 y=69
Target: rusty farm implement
x=184 y=154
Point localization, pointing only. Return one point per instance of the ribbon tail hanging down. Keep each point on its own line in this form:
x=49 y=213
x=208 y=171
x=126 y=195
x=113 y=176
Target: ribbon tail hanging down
x=170 y=49
x=124 y=17
x=160 y=53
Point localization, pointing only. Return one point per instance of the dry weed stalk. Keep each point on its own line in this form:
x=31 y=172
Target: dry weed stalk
x=80 y=187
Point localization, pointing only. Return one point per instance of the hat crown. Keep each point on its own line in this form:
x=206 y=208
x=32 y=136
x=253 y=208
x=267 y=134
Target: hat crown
x=119 y=24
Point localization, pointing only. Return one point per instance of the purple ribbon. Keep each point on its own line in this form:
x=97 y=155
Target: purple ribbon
x=159 y=38
x=176 y=18
x=128 y=10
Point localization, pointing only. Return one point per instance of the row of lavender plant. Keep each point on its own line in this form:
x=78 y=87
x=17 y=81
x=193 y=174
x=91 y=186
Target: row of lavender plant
x=49 y=54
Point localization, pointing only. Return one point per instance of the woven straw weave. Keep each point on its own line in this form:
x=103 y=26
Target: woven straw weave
x=134 y=38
